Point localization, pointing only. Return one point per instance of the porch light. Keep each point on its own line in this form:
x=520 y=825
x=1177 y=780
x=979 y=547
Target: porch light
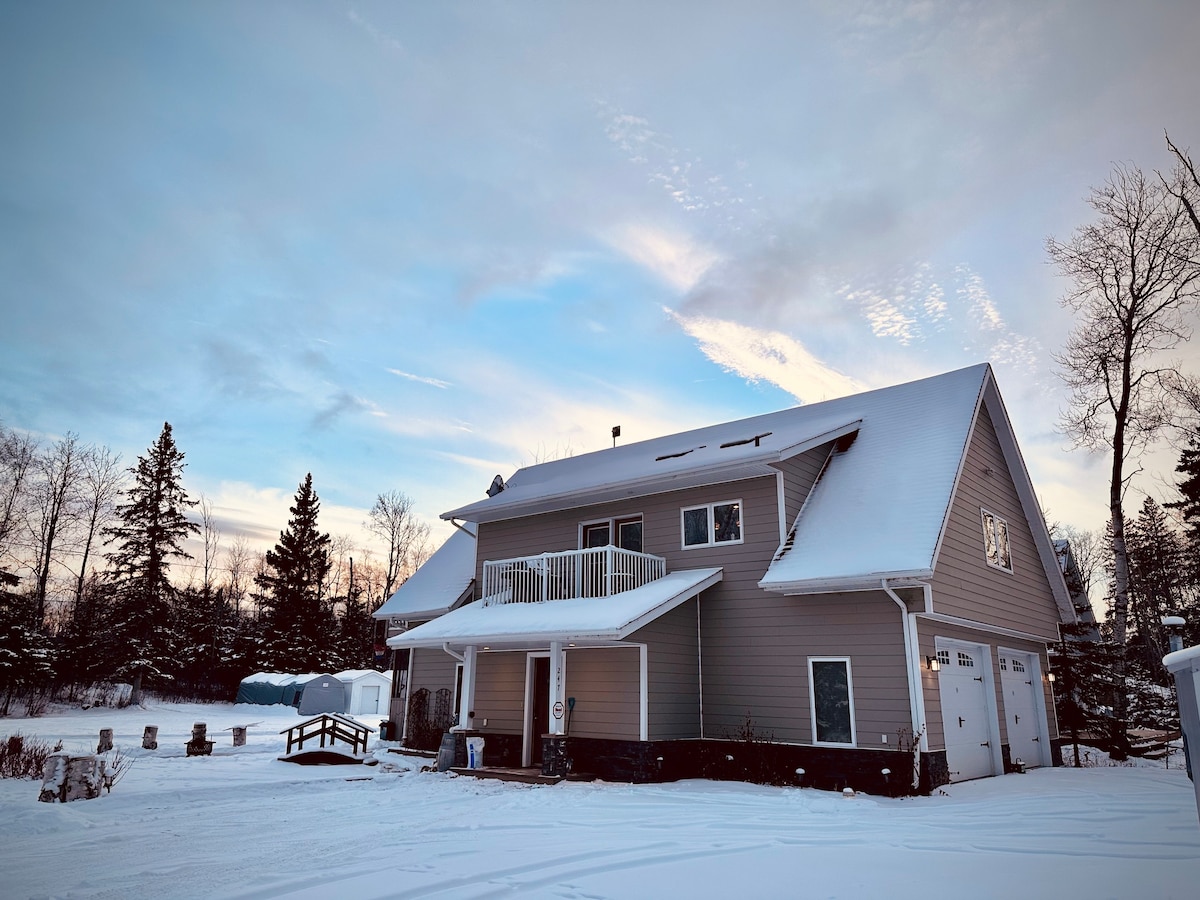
x=1050 y=677
x=933 y=663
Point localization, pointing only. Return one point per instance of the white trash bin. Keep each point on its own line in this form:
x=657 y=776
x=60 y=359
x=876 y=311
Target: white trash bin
x=475 y=752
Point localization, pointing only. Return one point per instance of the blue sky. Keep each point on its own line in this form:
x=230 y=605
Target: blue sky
x=410 y=245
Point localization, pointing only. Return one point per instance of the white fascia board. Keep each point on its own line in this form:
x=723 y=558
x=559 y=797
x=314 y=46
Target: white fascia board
x=832 y=435
x=850 y=584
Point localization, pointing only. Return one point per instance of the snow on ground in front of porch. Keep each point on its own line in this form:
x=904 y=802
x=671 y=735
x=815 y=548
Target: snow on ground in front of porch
x=243 y=824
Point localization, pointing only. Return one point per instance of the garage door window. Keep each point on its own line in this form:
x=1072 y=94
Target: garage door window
x=832 y=698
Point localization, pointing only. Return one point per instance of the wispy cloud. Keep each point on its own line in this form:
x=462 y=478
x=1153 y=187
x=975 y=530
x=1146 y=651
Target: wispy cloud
x=762 y=355
x=673 y=257
x=422 y=379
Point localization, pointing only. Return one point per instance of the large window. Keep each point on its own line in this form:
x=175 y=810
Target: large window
x=832 y=698
x=625 y=533
x=995 y=541
x=713 y=523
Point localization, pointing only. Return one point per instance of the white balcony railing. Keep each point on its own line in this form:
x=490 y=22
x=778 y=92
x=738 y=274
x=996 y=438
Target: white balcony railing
x=597 y=572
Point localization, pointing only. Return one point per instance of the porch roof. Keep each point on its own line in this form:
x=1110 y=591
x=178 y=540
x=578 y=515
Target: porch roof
x=592 y=619
x=438 y=584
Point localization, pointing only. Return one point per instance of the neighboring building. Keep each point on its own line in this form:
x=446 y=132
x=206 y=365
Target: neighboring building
x=1089 y=629
x=862 y=589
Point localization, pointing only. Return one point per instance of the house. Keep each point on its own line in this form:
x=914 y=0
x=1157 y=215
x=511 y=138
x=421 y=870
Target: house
x=858 y=592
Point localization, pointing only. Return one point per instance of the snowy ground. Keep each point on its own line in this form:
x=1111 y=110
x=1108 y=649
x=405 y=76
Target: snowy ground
x=242 y=824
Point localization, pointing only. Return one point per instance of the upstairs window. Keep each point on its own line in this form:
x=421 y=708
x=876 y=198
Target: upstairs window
x=711 y=524
x=995 y=541
x=625 y=533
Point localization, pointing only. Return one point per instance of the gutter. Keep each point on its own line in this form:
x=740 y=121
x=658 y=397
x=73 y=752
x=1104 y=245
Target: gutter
x=916 y=699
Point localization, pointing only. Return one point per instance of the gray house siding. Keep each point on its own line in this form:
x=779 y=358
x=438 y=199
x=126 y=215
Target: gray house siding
x=606 y=684
x=964 y=585
x=672 y=673
x=500 y=692
x=799 y=474
x=756 y=653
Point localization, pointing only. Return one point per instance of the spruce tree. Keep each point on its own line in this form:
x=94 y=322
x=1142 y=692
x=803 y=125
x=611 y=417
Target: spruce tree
x=1189 y=505
x=150 y=532
x=1155 y=581
x=298 y=624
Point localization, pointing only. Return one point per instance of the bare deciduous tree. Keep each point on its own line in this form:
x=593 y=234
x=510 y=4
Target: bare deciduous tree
x=18 y=453
x=1184 y=184
x=57 y=495
x=1135 y=275
x=101 y=481
x=210 y=538
x=393 y=520
x=239 y=560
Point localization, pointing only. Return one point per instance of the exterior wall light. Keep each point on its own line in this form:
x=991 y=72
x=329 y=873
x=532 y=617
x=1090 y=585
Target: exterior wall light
x=1050 y=677
x=933 y=663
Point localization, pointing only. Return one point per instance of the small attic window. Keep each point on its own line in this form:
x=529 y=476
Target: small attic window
x=995 y=541
x=755 y=440
x=679 y=454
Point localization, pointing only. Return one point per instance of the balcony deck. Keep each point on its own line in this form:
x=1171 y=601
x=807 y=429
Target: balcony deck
x=569 y=574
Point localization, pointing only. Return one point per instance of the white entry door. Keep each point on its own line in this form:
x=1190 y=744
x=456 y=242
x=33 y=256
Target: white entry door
x=1020 y=708
x=965 y=719
x=370 y=698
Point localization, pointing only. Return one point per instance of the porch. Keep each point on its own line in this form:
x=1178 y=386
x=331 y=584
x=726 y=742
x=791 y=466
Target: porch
x=569 y=574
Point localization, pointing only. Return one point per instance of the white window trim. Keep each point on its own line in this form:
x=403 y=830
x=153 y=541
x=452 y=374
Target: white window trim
x=984 y=514
x=611 y=522
x=712 y=531
x=812 y=701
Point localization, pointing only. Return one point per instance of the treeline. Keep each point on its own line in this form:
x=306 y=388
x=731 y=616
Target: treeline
x=1163 y=544
x=112 y=574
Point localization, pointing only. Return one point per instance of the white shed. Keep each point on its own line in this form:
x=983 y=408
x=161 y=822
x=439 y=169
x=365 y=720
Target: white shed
x=367 y=691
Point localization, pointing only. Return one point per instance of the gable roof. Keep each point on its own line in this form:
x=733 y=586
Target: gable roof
x=439 y=585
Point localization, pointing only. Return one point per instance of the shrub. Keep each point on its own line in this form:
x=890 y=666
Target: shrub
x=22 y=757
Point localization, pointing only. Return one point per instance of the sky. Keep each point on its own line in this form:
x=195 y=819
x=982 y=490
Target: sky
x=242 y=824
x=410 y=246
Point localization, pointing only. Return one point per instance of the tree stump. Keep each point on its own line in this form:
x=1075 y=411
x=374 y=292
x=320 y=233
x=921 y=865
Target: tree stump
x=106 y=740
x=239 y=735
x=66 y=778
x=150 y=738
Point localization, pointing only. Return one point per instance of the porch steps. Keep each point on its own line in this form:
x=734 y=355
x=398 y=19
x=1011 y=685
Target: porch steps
x=524 y=776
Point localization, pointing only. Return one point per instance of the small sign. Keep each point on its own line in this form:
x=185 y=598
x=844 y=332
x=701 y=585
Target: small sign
x=558 y=709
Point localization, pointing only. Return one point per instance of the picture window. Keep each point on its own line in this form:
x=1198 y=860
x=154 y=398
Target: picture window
x=832 y=697
x=712 y=524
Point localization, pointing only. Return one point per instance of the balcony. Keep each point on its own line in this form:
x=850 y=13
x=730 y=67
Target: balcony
x=596 y=572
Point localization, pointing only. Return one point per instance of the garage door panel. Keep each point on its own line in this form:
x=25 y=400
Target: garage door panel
x=965 y=718
x=1020 y=708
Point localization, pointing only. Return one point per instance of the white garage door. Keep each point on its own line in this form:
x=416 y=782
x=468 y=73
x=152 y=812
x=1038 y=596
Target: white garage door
x=964 y=712
x=1020 y=709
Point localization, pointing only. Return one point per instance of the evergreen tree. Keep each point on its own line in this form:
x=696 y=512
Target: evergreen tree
x=1189 y=506
x=26 y=655
x=1155 y=582
x=298 y=622
x=150 y=532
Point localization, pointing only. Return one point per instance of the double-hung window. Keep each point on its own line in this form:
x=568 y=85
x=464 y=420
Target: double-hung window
x=712 y=524
x=625 y=533
x=995 y=541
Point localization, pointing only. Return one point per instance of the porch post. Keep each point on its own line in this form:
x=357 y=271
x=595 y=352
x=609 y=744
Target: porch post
x=466 y=709
x=558 y=688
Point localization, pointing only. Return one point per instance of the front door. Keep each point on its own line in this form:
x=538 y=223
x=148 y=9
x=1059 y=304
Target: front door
x=539 y=713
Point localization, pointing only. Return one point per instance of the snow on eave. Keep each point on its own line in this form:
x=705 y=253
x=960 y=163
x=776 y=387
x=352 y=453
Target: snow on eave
x=579 y=619
x=850 y=584
x=443 y=582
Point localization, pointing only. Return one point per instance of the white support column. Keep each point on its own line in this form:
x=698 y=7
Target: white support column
x=466 y=708
x=558 y=689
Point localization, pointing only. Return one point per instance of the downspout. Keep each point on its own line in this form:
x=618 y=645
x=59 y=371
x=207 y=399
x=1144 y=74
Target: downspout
x=457 y=656
x=915 y=698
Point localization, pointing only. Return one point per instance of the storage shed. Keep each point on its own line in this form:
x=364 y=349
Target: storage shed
x=321 y=694
x=367 y=691
x=267 y=689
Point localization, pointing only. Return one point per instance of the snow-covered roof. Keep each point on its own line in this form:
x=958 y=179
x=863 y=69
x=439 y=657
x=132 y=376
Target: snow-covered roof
x=438 y=584
x=878 y=508
x=362 y=674
x=707 y=455
x=583 y=619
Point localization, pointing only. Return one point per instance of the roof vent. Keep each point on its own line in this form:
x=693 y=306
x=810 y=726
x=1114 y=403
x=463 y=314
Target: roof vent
x=679 y=454
x=755 y=439
x=496 y=487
